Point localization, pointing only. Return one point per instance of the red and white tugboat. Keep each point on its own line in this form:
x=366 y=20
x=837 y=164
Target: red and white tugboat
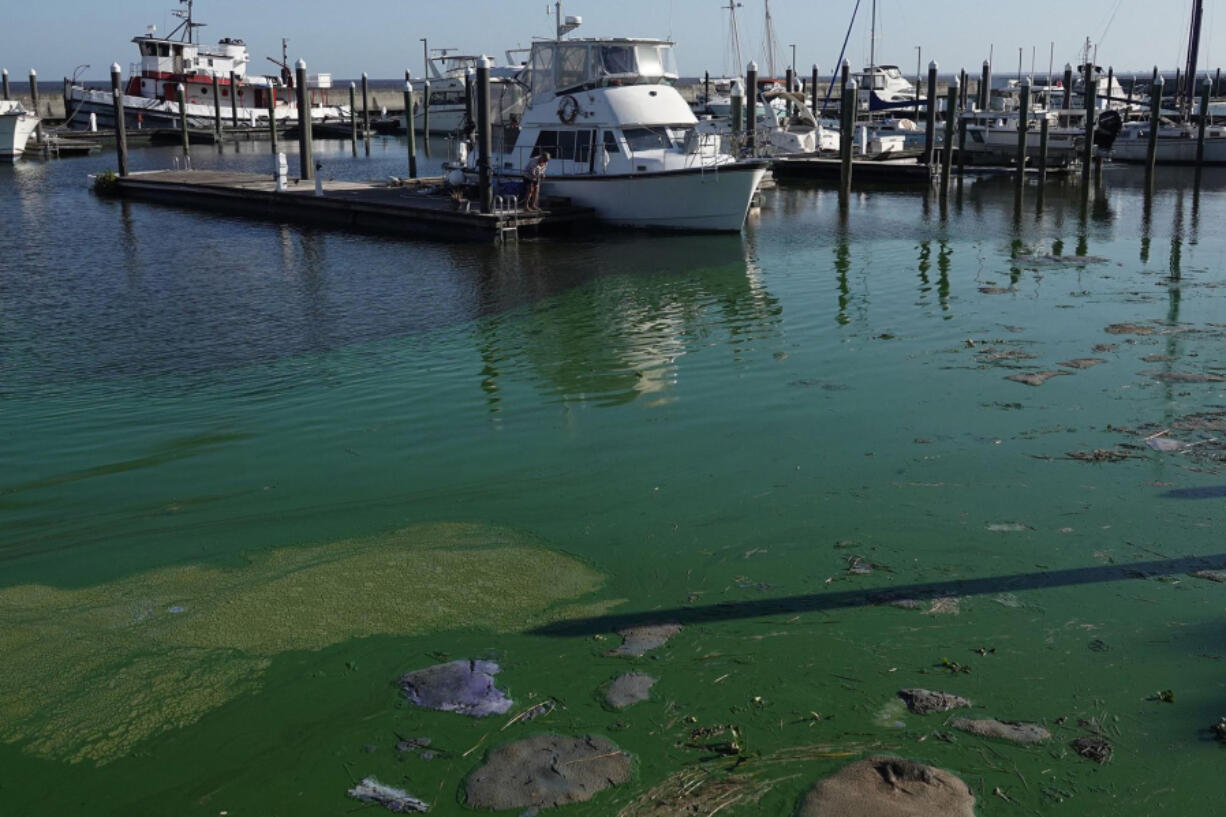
x=151 y=95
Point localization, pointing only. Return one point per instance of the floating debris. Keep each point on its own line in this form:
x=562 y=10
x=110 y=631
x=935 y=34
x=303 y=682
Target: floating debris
x=537 y=710
x=546 y=771
x=638 y=640
x=396 y=801
x=411 y=744
x=1008 y=527
x=994 y=355
x=1035 y=378
x=1004 y=730
x=944 y=606
x=1035 y=261
x=996 y=290
x=1158 y=358
x=629 y=689
x=873 y=788
x=1100 y=455
x=1082 y=362
x=1219 y=729
x=1129 y=329
x=1093 y=748
x=1104 y=347
x=465 y=687
x=1186 y=377
x=926 y=701
x=1211 y=575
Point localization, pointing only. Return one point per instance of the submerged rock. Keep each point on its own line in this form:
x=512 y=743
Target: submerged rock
x=466 y=687
x=638 y=640
x=1093 y=748
x=396 y=801
x=925 y=701
x=886 y=786
x=546 y=771
x=1186 y=377
x=1128 y=329
x=1004 y=730
x=629 y=689
x=1082 y=362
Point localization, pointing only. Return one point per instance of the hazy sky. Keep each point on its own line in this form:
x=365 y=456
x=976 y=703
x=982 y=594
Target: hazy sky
x=382 y=37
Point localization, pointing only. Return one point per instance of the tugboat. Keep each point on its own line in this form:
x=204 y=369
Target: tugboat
x=151 y=96
x=623 y=141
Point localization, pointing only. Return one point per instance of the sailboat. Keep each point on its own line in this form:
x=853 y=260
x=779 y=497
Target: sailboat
x=1177 y=142
x=883 y=87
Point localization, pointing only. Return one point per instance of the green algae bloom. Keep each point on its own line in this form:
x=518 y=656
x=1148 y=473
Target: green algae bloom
x=89 y=673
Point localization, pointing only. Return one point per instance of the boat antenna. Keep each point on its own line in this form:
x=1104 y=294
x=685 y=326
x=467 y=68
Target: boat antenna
x=188 y=26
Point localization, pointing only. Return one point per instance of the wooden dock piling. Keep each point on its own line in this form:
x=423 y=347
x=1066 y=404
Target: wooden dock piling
x=233 y=101
x=412 y=135
x=1090 y=92
x=985 y=86
x=121 y=135
x=4 y=81
x=947 y=151
x=1067 y=104
x=789 y=81
x=366 y=111
x=1044 y=136
x=353 y=118
x=485 y=174
x=34 y=91
x=930 y=132
x=1155 y=116
x=1023 y=127
x=813 y=90
x=216 y=109
x=847 y=109
x=272 y=119
x=751 y=108
x=425 y=117
x=736 y=97
x=182 y=94
x=1204 y=120
x=306 y=158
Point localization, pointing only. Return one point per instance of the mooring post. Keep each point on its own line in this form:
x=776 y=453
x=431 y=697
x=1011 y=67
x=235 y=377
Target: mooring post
x=847 y=109
x=233 y=100
x=272 y=118
x=485 y=173
x=1044 y=135
x=985 y=86
x=1091 y=95
x=813 y=90
x=1067 y=104
x=736 y=97
x=1178 y=90
x=216 y=110
x=353 y=118
x=4 y=78
x=38 y=131
x=408 y=106
x=1023 y=125
x=425 y=118
x=470 y=118
x=181 y=92
x=1131 y=87
x=1217 y=82
x=306 y=159
x=121 y=134
x=964 y=84
x=930 y=132
x=961 y=146
x=951 y=117
x=706 y=88
x=751 y=108
x=365 y=106
x=789 y=80
x=1110 y=84
x=1155 y=114
x=1204 y=119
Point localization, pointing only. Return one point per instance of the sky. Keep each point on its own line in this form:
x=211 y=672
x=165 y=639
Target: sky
x=382 y=37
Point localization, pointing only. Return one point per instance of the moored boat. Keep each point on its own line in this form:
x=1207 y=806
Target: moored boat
x=16 y=126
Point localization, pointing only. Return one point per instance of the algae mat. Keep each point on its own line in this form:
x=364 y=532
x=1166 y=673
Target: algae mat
x=88 y=673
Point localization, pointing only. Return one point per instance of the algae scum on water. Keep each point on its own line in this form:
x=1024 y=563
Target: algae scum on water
x=89 y=673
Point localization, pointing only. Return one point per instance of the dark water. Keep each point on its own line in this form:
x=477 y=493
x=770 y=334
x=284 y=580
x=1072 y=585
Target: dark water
x=718 y=426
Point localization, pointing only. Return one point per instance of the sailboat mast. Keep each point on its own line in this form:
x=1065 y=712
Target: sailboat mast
x=734 y=37
x=769 y=44
x=1189 y=77
x=872 y=39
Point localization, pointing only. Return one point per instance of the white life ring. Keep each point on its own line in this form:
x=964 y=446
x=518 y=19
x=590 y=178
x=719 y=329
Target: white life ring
x=568 y=110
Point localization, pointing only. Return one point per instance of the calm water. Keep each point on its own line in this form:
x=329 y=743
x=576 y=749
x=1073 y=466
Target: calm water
x=709 y=423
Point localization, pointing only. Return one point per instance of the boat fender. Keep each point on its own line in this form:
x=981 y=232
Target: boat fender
x=568 y=110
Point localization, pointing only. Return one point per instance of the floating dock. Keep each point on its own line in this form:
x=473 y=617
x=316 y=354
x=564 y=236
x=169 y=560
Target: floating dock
x=413 y=207
x=874 y=171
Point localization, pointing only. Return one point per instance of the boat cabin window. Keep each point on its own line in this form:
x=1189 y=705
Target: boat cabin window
x=616 y=59
x=568 y=145
x=572 y=65
x=646 y=139
x=561 y=66
x=163 y=49
x=611 y=145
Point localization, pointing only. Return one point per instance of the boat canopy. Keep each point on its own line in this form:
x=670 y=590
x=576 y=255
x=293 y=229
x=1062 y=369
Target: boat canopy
x=561 y=66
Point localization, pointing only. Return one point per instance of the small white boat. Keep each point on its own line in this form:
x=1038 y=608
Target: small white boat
x=1176 y=143
x=624 y=142
x=16 y=127
x=447 y=94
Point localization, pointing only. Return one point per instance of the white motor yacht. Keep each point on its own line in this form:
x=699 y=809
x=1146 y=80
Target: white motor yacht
x=16 y=126
x=448 y=105
x=623 y=141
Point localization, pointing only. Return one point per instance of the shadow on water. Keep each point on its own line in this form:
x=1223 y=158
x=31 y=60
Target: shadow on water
x=729 y=611
x=1201 y=492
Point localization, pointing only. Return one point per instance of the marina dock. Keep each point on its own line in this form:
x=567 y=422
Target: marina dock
x=409 y=208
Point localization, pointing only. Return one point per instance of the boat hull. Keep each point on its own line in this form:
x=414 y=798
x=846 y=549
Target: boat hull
x=1172 y=151
x=143 y=112
x=15 y=131
x=713 y=199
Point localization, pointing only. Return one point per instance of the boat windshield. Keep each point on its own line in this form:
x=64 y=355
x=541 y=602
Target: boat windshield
x=567 y=65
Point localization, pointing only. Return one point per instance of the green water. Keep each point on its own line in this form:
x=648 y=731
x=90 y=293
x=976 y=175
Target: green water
x=717 y=426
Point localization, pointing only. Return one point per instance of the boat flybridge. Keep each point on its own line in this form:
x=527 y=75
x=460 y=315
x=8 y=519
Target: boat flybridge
x=623 y=141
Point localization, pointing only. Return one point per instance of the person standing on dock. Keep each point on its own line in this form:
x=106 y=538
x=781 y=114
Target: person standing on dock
x=536 y=172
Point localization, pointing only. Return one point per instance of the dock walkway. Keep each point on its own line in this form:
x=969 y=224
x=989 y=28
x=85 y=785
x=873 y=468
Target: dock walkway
x=407 y=208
